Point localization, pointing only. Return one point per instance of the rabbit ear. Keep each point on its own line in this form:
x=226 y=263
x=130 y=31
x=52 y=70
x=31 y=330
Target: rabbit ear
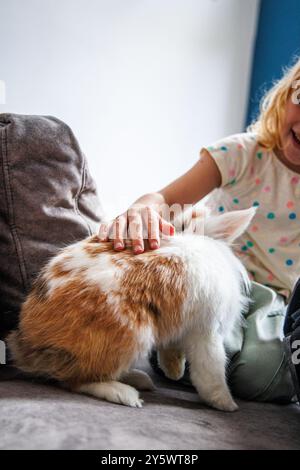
x=229 y=226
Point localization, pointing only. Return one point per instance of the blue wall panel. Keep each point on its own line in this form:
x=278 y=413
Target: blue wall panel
x=277 y=44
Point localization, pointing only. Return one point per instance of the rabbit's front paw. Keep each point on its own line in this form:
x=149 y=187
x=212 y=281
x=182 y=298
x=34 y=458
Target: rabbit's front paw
x=172 y=362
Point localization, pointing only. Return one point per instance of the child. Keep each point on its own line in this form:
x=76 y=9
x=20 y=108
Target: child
x=258 y=168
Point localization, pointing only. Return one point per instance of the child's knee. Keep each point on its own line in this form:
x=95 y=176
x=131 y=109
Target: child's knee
x=262 y=376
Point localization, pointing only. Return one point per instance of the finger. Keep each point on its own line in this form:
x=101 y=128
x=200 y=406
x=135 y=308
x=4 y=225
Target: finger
x=120 y=224
x=136 y=233
x=166 y=228
x=153 y=229
x=104 y=231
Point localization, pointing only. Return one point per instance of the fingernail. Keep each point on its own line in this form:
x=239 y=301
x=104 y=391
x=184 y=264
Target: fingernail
x=138 y=249
x=154 y=245
x=118 y=246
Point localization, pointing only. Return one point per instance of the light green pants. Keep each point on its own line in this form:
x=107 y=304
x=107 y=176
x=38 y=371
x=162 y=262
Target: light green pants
x=258 y=368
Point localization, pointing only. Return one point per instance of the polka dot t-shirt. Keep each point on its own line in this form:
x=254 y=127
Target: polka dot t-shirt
x=252 y=176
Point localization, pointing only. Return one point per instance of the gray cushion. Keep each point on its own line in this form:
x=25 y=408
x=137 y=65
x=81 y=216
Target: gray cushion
x=47 y=200
x=36 y=416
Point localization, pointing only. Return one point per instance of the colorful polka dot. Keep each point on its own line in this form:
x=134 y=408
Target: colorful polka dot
x=250 y=244
x=289 y=262
x=259 y=155
x=292 y=216
x=257 y=181
x=232 y=182
x=210 y=149
x=295 y=179
x=271 y=215
x=254 y=228
x=232 y=172
x=244 y=248
x=271 y=250
x=239 y=146
x=221 y=209
x=271 y=277
x=236 y=200
x=283 y=240
x=223 y=148
x=290 y=204
x=267 y=189
x=255 y=204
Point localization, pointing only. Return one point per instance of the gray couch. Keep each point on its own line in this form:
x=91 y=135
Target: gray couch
x=35 y=416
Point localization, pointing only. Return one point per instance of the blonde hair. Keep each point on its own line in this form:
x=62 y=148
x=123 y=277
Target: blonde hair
x=269 y=123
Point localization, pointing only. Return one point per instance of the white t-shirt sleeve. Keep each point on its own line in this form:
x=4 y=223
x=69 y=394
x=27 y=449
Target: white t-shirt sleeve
x=233 y=156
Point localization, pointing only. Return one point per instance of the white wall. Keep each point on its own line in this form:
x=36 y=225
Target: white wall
x=143 y=83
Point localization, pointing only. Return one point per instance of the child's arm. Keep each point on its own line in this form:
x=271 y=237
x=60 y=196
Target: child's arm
x=199 y=181
x=189 y=188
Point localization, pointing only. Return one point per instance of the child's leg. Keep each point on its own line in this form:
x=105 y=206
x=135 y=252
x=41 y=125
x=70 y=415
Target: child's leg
x=293 y=310
x=292 y=339
x=260 y=370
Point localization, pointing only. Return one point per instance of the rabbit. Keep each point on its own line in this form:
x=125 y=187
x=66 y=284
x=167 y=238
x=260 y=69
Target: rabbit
x=93 y=312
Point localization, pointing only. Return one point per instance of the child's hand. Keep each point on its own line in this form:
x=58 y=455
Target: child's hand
x=139 y=222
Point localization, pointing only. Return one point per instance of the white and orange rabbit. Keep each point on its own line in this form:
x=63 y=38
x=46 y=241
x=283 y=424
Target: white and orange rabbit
x=93 y=312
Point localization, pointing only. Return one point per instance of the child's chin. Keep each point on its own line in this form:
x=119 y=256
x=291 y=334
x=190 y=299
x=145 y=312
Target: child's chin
x=292 y=153
x=293 y=157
